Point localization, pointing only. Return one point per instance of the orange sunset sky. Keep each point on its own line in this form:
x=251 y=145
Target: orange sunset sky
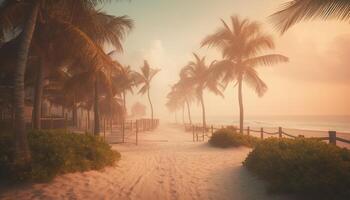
x=315 y=81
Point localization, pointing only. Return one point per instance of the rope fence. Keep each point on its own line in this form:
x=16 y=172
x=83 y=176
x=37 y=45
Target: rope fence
x=200 y=133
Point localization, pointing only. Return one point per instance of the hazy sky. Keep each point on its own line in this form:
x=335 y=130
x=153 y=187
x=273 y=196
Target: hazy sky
x=315 y=81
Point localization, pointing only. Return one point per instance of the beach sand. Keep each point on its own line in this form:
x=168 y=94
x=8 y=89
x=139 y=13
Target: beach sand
x=165 y=165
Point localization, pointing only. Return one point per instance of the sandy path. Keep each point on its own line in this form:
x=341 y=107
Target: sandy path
x=165 y=165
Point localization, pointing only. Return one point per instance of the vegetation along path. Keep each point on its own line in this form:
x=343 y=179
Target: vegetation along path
x=165 y=165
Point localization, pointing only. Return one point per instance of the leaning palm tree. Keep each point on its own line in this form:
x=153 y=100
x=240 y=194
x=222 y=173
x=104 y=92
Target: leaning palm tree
x=295 y=11
x=197 y=75
x=144 y=78
x=241 y=46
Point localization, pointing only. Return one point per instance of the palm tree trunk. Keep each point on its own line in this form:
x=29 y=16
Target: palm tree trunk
x=203 y=112
x=39 y=86
x=96 y=109
x=241 y=111
x=150 y=103
x=21 y=141
x=189 y=112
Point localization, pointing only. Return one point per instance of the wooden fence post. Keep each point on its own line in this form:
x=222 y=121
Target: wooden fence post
x=123 y=130
x=137 y=133
x=280 y=132
x=65 y=122
x=86 y=125
x=193 y=133
x=248 y=130
x=262 y=133
x=203 y=134
x=197 y=133
x=332 y=137
x=104 y=126
x=131 y=126
x=111 y=126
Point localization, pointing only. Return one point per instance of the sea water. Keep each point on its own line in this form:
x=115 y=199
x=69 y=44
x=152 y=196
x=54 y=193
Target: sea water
x=303 y=122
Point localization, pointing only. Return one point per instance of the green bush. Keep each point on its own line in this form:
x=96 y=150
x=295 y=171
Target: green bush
x=302 y=166
x=229 y=137
x=53 y=153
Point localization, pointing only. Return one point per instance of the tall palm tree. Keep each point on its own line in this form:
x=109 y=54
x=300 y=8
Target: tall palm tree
x=98 y=26
x=23 y=16
x=241 y=45
x=197 y=76
x=295 y=11
x=144 y=78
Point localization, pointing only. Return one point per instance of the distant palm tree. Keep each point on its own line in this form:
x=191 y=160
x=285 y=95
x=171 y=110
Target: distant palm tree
x=241 y=45
x=197 y=76
x=144 y=78
x=182 y=95
x=125 y=83
x=299 y=10
x=173 y=102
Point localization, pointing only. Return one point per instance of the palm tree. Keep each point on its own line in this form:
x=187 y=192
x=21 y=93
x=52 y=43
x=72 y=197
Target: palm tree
x=197 y=76
x=300 y=10
x=124 y=83
x=173 y=103
x=98 y=26
x=144 y=78
x=241 y=46
x=22 y=15
x=181 y=94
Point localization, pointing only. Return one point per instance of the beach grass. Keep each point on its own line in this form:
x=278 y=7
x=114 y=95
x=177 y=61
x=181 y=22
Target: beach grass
x=228 y=137
x=305 y=167
x=54 y=153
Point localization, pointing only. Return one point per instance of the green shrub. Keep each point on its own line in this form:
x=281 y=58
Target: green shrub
x=53 y=153
x=302 y=166
x=229 y=137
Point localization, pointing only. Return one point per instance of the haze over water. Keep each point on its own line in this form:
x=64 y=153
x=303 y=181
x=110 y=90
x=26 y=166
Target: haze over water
x=314 y=83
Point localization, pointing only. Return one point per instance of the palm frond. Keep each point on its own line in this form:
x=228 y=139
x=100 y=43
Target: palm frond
x=295 y=11
x=266 y=60
x=13 y=14
x=81 y=46
x=257 y=44
x=253 y=80
x=143 y=89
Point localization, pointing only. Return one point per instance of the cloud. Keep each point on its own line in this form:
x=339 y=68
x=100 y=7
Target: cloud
x=310 y=61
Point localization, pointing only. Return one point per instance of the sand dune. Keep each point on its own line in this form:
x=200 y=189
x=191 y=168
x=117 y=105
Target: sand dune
x=165 y=165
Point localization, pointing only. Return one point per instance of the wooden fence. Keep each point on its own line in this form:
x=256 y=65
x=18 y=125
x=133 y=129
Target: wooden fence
x=199 y=133
x=128 y=131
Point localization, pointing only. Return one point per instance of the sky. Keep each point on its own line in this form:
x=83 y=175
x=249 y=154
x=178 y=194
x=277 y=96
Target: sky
x=315 y=81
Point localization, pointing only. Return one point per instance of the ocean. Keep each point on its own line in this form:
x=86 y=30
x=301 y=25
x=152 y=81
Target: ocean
x=307 y=122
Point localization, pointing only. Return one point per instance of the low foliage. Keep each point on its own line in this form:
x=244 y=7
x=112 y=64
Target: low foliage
x=302 y=166
x=53 y=153
x=228 y=137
